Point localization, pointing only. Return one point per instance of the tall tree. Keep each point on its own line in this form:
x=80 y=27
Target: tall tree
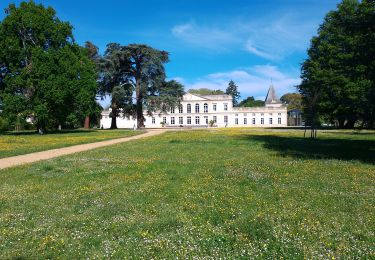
x=43 y=72
x=337 y=76
x=114 y=70
x=232 y=90
x=139 y=68
x=93 y=53
x=292 y=100
x=146 y=72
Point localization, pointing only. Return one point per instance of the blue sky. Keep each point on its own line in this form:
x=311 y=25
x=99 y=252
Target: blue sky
x=210 y=41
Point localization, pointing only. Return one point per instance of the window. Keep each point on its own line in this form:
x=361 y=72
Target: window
x=262 y=114
x=172 y=120
x=181 y=120
x=196 y=108
x=197 y=120
x=270 y=114
x=253 y=121
x=279 y=114
x=245 y=121
x=236 y=115
x=262 y=121
x=164 y=120
x=153 y=120
x=214 y=107
x=188 y=108
x=225 y=107
x=245 y=114
x=270 y=121
x=253 y=114
x=279 y=120
x=214 y=118
x=206 y=120
x=236 y=121
x=226 y=119
x=172 y=110
x=189 y=120
x=205 y=108
x=180 y=109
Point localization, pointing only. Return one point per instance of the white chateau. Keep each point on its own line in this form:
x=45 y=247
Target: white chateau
x=198 y=110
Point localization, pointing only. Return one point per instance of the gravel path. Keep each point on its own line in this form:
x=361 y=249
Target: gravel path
x=44 y=155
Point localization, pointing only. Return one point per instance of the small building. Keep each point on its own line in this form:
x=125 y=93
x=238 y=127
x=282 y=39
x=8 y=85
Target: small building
x=295 y=117
x=198 y=110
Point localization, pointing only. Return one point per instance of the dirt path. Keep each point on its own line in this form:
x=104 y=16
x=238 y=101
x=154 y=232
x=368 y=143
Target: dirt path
x=44 y=155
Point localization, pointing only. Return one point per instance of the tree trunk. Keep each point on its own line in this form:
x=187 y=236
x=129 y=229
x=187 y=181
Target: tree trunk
x=341 y=121
x=140 y=118
x=87 y=123
x=350 y=122
x=114 y=117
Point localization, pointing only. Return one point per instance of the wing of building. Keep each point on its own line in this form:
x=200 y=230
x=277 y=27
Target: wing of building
x=203 y=110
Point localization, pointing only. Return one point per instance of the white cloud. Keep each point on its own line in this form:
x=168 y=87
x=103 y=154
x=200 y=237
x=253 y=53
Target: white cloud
x=272 y=38
x=253 y=81
x=249 y=46
x=201 y=36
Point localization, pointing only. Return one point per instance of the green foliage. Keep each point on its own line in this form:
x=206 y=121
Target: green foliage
x=45 y=74
x=4 y=124
x=205 y=91
x=251 y=102
x=235 y=194
x=232 y=90
x=292 y=100
x=139 y=68
x=338 y=76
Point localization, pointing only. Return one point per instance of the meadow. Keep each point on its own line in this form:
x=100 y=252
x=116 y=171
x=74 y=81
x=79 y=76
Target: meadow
x=17 y=143
x=234 y=193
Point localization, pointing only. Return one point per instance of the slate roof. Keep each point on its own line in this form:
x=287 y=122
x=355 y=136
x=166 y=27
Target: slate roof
x=271 y=97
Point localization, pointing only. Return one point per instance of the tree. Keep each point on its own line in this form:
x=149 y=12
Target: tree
x=93 y=54
x=139 y=68
x=232 y=90
x=338 y=75
x=206 y=91
x=114 y=68
x=251 y=102
x=43 y=72
x=292 y=100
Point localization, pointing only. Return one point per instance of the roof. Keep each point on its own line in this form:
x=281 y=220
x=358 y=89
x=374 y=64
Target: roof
x=271 y=97
x=198 y=97
x=216 y=97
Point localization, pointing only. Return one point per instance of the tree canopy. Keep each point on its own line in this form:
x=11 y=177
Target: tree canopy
x=44 y=74
x=205 y=91
x=292 y=100
x=140 y=70
x=232 y=90
x=338 y=75
x=251 y=102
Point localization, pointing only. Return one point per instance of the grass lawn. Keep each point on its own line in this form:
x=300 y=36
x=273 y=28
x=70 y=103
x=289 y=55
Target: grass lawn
x=12 y=144
x=220 y=193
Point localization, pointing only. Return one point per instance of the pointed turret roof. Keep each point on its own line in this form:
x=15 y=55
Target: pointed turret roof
x=271 y=97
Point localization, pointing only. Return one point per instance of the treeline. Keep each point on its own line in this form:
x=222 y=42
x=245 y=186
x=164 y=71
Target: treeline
x=338 y=83
x=46 y=77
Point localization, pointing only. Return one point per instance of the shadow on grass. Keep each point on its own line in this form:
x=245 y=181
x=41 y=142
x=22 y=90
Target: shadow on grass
x=325 y=148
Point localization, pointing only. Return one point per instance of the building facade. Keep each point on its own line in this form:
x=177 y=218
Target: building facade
x=204 y=110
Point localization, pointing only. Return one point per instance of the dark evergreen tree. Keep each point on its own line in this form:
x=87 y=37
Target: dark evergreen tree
x=139 y=68
x=232 y=90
